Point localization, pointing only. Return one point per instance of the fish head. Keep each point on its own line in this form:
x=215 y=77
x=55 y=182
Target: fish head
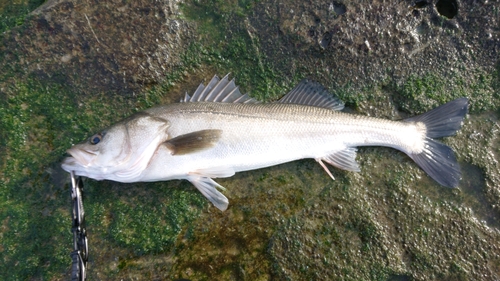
x=120 y=152
x=102 y=151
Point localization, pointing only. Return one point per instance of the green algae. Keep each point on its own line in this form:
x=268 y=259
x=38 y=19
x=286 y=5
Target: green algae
x=152 y=223
x=14 y=14
x=419 y=94
x=36 y=124
x=278 y=218
x=38 y=121
x=345 y=231
x=237 y=52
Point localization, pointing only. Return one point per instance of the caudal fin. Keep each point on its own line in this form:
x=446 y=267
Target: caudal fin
x=437 y=159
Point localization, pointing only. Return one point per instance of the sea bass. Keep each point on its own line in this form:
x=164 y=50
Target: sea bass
x=217 y=132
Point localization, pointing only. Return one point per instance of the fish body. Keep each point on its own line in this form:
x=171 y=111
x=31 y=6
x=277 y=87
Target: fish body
x=218 y=132
x=254 y=136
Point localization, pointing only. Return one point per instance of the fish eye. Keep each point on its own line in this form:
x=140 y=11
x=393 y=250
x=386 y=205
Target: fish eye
x=95 y=139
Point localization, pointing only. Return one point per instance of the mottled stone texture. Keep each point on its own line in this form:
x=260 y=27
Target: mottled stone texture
x=359 y=42
x=289 y=222
x=96 y=46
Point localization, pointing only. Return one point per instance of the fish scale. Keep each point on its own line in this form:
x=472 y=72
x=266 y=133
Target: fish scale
x=202 y=138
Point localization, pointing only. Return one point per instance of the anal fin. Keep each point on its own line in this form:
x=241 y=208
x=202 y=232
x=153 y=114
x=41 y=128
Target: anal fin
x=208 y=188
x=343 y=159
x=325 y=168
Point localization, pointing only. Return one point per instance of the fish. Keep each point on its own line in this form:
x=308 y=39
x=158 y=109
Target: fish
x=218 y=131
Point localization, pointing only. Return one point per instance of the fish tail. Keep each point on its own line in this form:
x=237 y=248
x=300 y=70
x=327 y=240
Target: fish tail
x=438 y=160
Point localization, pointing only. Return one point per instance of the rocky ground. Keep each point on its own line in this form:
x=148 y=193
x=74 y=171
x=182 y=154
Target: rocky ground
x=69 y=68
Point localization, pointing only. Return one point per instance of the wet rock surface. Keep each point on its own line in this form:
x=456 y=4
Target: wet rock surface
x=388 y=59
x=100 y=47
x=392 y=226
x=357 y=43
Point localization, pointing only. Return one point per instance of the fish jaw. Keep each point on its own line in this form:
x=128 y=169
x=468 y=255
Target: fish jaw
x=82 y=156
x=80 y=163
x=71 y=164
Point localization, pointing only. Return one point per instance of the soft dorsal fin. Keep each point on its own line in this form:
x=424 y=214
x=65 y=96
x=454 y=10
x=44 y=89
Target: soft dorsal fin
x=219 y=90
x=313 y=94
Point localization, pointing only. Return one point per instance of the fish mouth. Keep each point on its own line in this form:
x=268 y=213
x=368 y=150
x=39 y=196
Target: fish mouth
x=80 y=157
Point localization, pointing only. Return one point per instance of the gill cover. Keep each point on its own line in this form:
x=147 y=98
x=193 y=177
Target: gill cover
x=122 y=152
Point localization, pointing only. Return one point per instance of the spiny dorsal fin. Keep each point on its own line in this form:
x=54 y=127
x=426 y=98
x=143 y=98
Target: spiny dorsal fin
x=219 y=90
x=313 y=94
x=193 y=142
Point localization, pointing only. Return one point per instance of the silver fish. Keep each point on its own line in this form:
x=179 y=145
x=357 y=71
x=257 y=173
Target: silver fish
x=218 y=132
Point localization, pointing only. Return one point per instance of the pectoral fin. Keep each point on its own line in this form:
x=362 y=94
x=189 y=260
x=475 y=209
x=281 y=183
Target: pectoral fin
x=344 y=159
x=208 y=188
x=193 y=142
